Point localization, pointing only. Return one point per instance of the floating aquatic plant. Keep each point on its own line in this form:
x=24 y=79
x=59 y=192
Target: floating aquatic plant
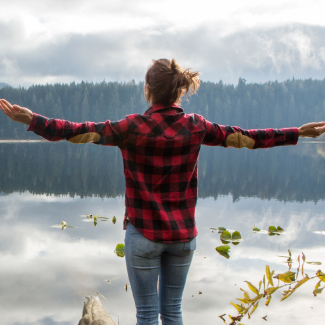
x=226 y=237
x=119 y=250
x=224 y=251
x=272 y=231
x=63 y=226
x=289 y=284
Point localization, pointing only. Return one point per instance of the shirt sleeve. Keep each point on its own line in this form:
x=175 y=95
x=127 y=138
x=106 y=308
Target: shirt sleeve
x=105 y=133
x=233 y=136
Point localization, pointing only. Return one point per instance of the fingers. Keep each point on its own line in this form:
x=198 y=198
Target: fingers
x=5 y=104
x=17 y=108
x=6 y=107
x=313 y=125
x=320 y=130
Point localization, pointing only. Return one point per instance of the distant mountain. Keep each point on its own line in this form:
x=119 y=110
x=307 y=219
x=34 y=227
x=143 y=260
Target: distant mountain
x=3 y=84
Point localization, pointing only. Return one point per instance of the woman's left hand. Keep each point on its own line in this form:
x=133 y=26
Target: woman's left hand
x=16 y=112
x=312 y=130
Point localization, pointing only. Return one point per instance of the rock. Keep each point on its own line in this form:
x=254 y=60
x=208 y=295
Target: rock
x=94 y=313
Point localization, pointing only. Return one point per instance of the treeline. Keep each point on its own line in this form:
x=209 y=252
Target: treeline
x=272 y=104
x=286 y=173
x=290 y=173
x=3 y=84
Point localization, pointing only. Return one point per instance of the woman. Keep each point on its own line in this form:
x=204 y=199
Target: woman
x=160 y=150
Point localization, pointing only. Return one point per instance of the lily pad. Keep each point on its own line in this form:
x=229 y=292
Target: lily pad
x=225 y=235
x=119 y=250
x=275 y=231
x=236 y=238
x=223 y=251
x=279 y=229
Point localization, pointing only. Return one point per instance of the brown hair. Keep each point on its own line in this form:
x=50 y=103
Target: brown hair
x=168 y=82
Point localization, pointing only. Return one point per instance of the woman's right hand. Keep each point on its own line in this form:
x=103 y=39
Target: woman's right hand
x=16 y=112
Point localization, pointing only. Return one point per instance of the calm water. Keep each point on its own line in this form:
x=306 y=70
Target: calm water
x=46 y=271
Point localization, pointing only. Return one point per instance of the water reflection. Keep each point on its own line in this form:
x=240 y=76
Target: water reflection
x=46 y=271
x=289 y=174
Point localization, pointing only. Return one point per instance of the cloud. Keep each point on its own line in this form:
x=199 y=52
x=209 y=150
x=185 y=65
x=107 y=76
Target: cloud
x=257 y=55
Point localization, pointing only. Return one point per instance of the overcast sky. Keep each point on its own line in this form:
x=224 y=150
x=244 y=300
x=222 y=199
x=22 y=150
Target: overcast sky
x=72 y=40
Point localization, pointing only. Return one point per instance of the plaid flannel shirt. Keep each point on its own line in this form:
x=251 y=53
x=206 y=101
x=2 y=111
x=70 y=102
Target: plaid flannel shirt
x=160 y=150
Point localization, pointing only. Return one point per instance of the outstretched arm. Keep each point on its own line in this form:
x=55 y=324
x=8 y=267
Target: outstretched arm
x=233 y=136
x=105 y=133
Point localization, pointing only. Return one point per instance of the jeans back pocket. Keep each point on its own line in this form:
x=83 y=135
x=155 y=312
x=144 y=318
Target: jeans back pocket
x=142 y=246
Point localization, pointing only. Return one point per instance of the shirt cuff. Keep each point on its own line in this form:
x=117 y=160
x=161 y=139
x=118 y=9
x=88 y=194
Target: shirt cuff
x=38 y=123
x=292 y=135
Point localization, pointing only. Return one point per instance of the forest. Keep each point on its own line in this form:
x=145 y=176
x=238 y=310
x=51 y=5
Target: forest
x=289 y=174
x=273 y=104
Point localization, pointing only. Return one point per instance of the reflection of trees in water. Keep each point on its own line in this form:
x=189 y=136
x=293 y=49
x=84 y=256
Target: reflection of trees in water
x=287 y=174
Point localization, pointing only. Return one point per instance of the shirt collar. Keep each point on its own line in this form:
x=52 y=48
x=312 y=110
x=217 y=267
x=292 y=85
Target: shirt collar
x=158 y=107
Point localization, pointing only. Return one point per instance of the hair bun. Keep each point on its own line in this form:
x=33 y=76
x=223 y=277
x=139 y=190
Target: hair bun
x=168 y=82
x=175 y=67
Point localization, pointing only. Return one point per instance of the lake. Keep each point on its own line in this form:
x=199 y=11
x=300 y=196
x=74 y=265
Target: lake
x=47 y=271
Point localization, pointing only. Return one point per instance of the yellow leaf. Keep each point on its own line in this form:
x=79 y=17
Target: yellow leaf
x=284 y=278
x=321 y=275
x=268 y=300
x=268 y=275
x=252 y=287
x=269 y=291
x=317 y=285
x=258 y=297
x=286 y=296
x=300 y=282
x=259 y=286
x=254 y=307
x=245 y=301
x=315 y=292
x=239 y=308
x=246 y=295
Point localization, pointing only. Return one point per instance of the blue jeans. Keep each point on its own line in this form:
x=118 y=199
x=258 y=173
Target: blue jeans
x=146 y=261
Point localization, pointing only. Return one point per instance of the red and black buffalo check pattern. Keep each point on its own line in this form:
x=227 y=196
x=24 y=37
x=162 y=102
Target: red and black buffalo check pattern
x=160 y=150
